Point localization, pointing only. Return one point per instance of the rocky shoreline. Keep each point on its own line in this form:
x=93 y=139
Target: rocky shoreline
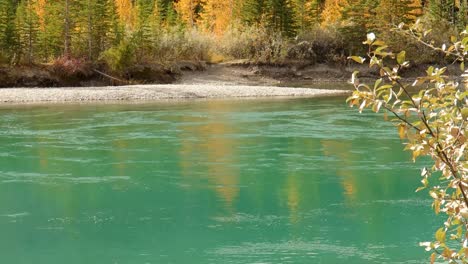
x=153 y=92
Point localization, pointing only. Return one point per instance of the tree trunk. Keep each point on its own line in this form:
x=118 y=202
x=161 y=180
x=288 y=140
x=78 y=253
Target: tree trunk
x=66 y=33
x=90 y=32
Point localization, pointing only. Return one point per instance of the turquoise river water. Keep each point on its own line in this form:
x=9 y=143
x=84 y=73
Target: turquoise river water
x=217 y=181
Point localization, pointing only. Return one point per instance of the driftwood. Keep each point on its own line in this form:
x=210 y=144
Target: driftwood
x=111 y=77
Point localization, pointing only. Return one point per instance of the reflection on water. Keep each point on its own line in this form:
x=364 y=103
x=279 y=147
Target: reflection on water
x=284 y=181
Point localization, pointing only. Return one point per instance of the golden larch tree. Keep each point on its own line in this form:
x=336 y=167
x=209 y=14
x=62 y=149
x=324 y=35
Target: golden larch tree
x=332 y=11
x=187 y=10
x=40 y=10
x=217 y=15
x=126 y=12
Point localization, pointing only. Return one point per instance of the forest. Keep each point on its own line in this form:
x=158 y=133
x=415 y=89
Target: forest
x=120 y=33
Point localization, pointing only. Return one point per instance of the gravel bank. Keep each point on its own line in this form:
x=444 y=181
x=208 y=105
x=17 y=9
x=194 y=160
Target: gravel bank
x=152 y=92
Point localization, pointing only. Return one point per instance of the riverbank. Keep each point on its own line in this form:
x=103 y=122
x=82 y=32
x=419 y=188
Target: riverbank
x=287 y=74
x=154 y=92
x=292 y=73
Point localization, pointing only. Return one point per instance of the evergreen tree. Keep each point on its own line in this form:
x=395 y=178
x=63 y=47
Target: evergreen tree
x=170 y=15
x=307 y=14
x=27 y=23
x=281 y=16
x=253 y=12
x=277 y=15
x=116 y=30
x=390 y=13
x=96 y=27
x=143 y=33
x=50 y=40
x=67 y=27
x=357 y=20
x=462 y=15
x=442 y=9
x=7 y=28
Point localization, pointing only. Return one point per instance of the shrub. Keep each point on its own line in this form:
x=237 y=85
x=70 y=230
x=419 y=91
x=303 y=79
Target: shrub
x=175 y=44
x=318 y=45
x=254 y=43
x=3 y=58
x=433 y=124
x=71 y=67
x=120 y=57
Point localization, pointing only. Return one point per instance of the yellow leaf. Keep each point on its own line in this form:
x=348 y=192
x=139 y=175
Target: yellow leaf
x=440 y=235
x=464 y=112
x=402 y=131
x=433 y=258
x=401 y=57
x=436 y=207
x=357 y=59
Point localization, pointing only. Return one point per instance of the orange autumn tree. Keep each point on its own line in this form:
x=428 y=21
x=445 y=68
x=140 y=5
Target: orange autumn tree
x=333 y=11
x=390 y=13
x=217 y=15
x=40 y=10
x=188 y=11
x=125 y=10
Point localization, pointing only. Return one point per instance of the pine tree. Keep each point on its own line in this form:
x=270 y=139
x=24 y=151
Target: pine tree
x=277 y=15
x=143 y=33
x=307 y=14
x=67 y=28
x=96 y=29
x=7 y=28
x=116 y=30
x=357 y=20
x=50 y=40
x=103 y=18
x=281 y=16
x=390 y=13
x=462 y=15
x=442 y=9
x=170 y=15
x=27 y=24
x=253 y=12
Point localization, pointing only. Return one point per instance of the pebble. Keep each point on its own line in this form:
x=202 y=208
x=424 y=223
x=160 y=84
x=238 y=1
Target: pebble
x=154 y=92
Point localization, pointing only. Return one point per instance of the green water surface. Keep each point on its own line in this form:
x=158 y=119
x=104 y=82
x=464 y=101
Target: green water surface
x=270 y=181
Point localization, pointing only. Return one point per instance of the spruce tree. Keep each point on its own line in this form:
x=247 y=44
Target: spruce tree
x=116 y=31
x=462 y=16
x=442 y=9
x=143 y=33
x=277 y=15
x=50 y=40
x=253 y=12
x=390 y=13
x=97 y=27
x=357 y=20
x=170 y=15
x=27 y=24
x=307 y=14
x=8 y=38
x=281 y=17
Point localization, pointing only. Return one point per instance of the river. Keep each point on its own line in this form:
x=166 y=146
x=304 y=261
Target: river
x=211 y=181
